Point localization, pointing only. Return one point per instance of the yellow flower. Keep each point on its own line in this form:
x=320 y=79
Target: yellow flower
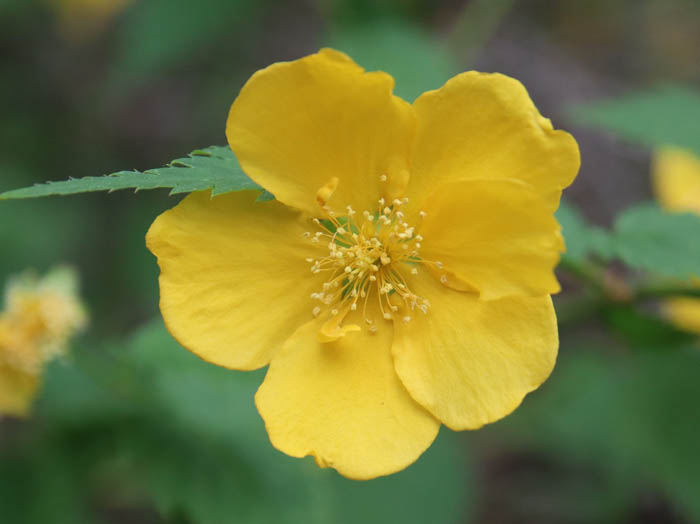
x=38 y=319
x=676 y=181
x=400 y=279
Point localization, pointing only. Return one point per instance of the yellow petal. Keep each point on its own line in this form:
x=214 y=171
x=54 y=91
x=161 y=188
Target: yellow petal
x=676 y=179
x=497 y=236
x=334 y=328
x=297 y=125
x=234 y=283
x=485 y=126
x=17 y=391
x=471 y=362
x=684 y=313
x=342 y=403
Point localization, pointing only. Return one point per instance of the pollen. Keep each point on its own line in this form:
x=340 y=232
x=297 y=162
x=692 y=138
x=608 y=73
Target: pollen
x=367 y=255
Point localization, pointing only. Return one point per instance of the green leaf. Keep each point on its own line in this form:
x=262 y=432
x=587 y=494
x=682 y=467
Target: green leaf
x=265 y=196
x=160 y=34
x=667 y=115
x=417 y=62
x=40 y=484
x=581 y=238
x=649 y=238
x=632 y=416
x=214 y=168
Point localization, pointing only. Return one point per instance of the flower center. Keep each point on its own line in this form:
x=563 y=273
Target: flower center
x=367 y=255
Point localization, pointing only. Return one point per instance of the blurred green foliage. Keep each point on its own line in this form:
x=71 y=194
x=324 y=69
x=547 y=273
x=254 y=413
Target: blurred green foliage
x=668 y=115
x=630 y=417
x=582 y=239
x=417 y=61
x=644 y=237
x=185 y=434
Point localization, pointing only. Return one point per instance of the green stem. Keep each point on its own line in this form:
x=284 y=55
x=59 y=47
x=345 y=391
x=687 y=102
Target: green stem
x=651 y=291
x=602 y=290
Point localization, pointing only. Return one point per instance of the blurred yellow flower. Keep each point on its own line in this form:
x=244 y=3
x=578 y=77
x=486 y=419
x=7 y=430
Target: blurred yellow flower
x=39 y=317
x=676 y=181
x=400 y=279
x=81 y=19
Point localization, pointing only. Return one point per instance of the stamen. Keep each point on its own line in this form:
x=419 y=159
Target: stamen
x=365 y=259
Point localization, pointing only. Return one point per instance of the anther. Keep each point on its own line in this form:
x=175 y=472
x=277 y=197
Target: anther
x=443 y=279
x=382 y=178
x=406 y=319
x=316 y=311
